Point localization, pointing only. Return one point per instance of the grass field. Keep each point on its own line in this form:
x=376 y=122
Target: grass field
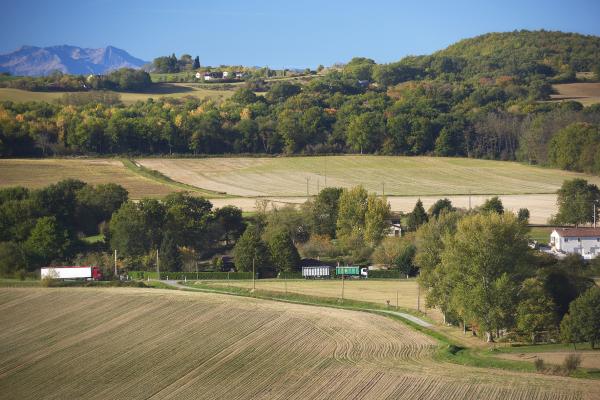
x=240 y=181
x=176 y=90
x=42 y=172
x=585 y=93
x=401 y=176
x=403 y=179
x=150 y=343
x=402 y=292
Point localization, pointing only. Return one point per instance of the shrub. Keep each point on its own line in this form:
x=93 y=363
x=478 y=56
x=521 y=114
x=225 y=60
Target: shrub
x=540 y=365
x=571 y=363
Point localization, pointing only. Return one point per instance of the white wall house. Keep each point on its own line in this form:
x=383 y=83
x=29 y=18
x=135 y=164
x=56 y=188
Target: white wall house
x=394 y=228
x=583 y=241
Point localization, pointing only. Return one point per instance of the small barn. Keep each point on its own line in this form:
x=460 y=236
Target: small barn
x=583 y=241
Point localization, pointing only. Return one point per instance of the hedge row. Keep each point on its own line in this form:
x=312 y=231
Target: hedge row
x=385 y=274
x=190 y=275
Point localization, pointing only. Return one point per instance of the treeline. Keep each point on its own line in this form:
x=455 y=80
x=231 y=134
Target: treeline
x=170 y=64
x=329 y=115
x=124 y=79
x=45 y=225
x=480 y=273
x=48 y=227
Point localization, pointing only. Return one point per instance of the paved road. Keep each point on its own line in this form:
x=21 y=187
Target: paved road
x=406 y=316
x=409 y=317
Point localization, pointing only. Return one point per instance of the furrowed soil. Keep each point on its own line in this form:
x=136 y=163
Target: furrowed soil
x=124 y=343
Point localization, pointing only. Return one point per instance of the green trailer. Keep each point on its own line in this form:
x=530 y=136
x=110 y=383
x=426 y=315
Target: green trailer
x=352 y=271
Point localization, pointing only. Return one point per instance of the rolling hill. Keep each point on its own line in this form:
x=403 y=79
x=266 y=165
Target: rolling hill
x=542 y=52
x=35 y=61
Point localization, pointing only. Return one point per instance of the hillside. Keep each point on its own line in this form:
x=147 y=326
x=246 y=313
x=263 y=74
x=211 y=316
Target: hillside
x=148 y=343
x=35 y=61
x=512 y=52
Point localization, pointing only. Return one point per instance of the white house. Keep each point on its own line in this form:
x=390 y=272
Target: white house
x=583 y=241
x=198 y=75
x=394 y=228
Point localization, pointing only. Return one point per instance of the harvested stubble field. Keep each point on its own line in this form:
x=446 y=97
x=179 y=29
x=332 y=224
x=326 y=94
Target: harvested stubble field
x=37 y=173
x=401 y=176
x=147 y=343
x=585 y=93
x=371 y=290
x=174 y=90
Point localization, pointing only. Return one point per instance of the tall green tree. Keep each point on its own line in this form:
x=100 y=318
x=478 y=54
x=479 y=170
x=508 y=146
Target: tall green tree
x=583 y=320
x=575 y=201
x=376 y=219
x=47 y=242
x=365 y=132
x=442 y=205
x=284 y=255
x=249 y=250
x=486 y=257
x=188 y=219
x=324 y=211
x=417 y=217
x=169 y=255
x=351 y=213
x=493 y=204
x=433 y=275
x=536 y=311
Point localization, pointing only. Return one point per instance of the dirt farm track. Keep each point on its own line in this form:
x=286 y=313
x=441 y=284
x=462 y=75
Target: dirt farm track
x=154 y=344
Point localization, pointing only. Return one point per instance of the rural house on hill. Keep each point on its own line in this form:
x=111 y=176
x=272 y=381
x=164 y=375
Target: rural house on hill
x=583 y=241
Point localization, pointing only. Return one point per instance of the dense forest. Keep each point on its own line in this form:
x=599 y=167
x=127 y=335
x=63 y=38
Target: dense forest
x=482 y=97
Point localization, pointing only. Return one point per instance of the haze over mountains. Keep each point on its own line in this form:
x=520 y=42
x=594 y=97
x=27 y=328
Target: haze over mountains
x=35 y=61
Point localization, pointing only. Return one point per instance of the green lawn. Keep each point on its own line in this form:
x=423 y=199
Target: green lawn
x=541 y=234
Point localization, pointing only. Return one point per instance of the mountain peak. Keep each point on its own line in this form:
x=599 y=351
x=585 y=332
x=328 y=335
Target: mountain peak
x=34 y=61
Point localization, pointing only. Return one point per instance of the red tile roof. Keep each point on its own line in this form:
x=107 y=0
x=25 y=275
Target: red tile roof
x=578 y=232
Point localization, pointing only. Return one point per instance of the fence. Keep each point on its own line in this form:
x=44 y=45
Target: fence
x=179 y=276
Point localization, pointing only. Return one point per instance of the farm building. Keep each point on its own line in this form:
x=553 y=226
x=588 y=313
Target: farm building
x=394 y=227
x=583 y=241
x=209 y=76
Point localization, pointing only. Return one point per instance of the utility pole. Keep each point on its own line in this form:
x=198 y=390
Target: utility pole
x=469 y=200
x=307 y=179
x=382 y=189
x=594 y=215
x=325 y=171
x=157 y=265
x=253 y=273
x=343 y=271
x=116 y=263
x=418 y=297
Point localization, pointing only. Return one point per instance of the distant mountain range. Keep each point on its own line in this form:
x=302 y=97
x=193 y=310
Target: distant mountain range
x=35 y=61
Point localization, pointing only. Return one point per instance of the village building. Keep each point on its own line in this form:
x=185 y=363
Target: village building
x=582 y=241
x=394 y=227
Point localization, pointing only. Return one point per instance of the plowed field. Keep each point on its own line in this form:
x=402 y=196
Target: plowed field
x=153 y=344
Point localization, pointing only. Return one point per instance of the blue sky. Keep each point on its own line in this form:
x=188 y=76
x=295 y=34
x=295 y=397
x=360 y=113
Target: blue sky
x=280 y=33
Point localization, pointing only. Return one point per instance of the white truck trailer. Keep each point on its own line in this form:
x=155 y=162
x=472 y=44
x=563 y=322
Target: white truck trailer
x=322 y=271
x=75 y=272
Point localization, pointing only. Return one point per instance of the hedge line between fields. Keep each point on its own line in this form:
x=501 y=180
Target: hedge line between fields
x=189 y=275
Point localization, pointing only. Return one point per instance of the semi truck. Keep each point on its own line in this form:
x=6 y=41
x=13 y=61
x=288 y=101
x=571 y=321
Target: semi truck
x=72 y=272
x=316 y=272
x=352 y=271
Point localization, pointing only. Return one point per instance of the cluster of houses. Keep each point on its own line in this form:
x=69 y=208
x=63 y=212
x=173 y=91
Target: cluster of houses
x=219 y=75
